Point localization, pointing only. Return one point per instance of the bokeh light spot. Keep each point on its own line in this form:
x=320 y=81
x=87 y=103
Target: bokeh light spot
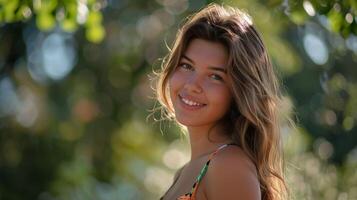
x=58 y=56
x=315 y=49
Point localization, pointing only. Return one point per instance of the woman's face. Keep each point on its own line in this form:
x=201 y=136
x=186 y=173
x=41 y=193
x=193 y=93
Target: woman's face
x=199 y=88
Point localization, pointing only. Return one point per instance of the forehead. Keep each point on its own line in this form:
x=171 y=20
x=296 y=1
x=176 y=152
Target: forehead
x=207 y=53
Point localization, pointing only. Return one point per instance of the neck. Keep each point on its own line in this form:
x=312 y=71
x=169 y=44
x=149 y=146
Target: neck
x=200 y=144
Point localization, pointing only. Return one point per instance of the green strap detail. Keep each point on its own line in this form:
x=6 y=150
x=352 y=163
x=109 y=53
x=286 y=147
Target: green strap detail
x=202 y=173
x=204 y=170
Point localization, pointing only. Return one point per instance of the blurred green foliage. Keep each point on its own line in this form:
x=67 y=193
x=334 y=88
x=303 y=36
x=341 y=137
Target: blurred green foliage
x=73 y=113
x=69 y=14
x=339 y=14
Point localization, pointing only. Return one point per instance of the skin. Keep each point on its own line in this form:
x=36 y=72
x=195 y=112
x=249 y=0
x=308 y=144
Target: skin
x=232 y=176
x=201 y=78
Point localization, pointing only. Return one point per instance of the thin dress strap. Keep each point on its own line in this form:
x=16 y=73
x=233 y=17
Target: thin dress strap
x=192 y=195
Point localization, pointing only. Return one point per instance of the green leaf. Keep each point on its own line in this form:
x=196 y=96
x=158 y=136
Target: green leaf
x=45 y=5
x=94 y=18
x=11 y=5
x=91 y=2
x=71 y=9
x=298 y=16
x=69 y=25
x=9 y=10
x=336 y=20
x=45 y=21
x=9 y=16
x=95 y=33
x=274 y=2
x=353 y=4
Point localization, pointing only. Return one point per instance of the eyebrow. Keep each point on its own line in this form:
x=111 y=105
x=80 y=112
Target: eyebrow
x=221 y=69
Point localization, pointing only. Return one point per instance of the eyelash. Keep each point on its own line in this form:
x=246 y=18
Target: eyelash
x=189 y=67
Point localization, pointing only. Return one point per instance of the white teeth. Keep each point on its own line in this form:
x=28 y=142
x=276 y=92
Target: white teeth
x=191 y=103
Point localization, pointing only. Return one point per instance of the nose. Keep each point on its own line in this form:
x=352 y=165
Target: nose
x=193 y=84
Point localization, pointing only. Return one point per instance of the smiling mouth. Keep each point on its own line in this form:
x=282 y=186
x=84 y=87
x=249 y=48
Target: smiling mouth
x=190 y=102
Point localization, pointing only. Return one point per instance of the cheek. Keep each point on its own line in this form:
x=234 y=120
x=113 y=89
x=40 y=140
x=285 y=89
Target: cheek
x=220 y=96
x=175 y=81
x=223 y=103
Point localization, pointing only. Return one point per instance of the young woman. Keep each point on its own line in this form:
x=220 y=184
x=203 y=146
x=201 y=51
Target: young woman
x=218 y=82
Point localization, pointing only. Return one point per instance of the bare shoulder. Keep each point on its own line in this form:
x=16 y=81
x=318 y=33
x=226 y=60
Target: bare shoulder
x=232 y=175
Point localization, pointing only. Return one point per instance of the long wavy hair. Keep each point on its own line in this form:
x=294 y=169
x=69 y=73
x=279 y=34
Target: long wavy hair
x=253 y=119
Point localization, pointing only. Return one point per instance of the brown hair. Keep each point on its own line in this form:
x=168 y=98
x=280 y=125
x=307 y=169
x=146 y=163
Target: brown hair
x=253 y=119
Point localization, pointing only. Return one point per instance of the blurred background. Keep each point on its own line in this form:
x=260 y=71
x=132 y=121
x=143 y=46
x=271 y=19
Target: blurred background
x=76 y=98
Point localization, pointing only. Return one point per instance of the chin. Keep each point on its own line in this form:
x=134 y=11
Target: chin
x=193 y=123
